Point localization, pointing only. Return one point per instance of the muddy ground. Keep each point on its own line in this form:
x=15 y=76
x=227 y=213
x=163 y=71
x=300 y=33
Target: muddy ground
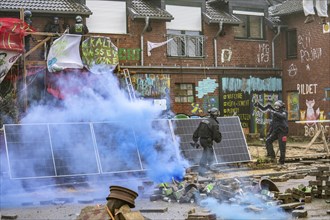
x=43 y=202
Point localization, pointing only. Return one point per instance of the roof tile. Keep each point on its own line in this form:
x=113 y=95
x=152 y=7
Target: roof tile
x=145 y=8
x=45 y=6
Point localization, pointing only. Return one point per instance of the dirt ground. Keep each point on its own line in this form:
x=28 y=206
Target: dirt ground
x=41 y=208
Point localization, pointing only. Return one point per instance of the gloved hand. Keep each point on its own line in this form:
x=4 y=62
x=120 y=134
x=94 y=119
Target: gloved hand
x=194 y=144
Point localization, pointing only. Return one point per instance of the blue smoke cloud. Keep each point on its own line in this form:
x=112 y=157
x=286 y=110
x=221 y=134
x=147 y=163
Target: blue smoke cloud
x=241 y=212
x=131 y=126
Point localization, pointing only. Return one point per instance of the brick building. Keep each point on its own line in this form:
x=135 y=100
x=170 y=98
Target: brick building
x=221 y=53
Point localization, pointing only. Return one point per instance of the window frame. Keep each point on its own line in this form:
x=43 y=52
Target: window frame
x=184 y=93
x=294 y=55
x=247 y=27
x=180 y=45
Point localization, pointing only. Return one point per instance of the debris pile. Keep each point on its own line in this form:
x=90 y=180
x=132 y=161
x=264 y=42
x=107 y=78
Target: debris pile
x=239 y=191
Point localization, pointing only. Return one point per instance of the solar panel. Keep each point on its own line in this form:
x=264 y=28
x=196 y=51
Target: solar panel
x=117 y=148
x=49 y=150
x=233 y=147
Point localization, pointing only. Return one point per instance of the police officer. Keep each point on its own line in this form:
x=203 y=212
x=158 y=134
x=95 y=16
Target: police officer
x=207 y=132
x=28 y=20
x=278 y=129
x=79 y=27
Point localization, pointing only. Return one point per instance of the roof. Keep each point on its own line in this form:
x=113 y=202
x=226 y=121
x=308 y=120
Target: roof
x=287 y=7
x=216 y=12
x=145 y=8
x=46 y=6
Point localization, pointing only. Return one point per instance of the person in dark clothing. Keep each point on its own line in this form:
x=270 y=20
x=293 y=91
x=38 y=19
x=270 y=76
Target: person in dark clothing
x=207 y=132
x=52 y=27
x=27 y=38
x=278 y=129
x=79 y=27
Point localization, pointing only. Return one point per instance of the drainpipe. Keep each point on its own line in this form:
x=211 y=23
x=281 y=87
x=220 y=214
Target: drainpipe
x=273 y=44
x=143 y=31
x=215 y=44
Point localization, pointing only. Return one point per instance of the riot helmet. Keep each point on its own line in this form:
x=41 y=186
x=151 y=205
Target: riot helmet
x=27 y=14
x=78 y=19
x=278 y=105
x=214 y=112
x=56 y=20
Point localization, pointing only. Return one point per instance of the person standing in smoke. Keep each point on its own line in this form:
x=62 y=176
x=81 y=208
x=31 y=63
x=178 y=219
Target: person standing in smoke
x=79 y=27
x=207 y=132
x=278 y=129
x=321 y=8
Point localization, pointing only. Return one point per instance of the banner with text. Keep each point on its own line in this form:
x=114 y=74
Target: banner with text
x=99 y=54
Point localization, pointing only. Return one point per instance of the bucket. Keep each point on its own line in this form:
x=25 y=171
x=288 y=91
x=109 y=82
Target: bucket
x=122 y=193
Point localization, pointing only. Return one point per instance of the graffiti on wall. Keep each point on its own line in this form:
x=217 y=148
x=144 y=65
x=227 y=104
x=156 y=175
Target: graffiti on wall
x=237 y=103
x=251 y=84
x=239 y=94
x=293 y=106
x=292 y=70
x=206 y=86
x=226 y=55
x=306 y=89
x=263 y=53
x=151 y=85
x=129 y=54
x=261 y=120
x=307 y=52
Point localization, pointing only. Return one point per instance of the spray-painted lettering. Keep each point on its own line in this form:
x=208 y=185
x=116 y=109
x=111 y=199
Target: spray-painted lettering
x=263 y=54
x=306 y=89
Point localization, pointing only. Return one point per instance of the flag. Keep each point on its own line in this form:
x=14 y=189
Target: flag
x=12 y=32
x=152 y=45
x=64 y=53
x=99 y=53
x=7 y=59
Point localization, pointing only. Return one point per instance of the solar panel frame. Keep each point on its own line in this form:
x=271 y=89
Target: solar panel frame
x=224 y=152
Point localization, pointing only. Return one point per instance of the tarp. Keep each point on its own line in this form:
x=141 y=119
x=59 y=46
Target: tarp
x=7 y=59
x=64 y=53
x=12 y=32
x=99 y=53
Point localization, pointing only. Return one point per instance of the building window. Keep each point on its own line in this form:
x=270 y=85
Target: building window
x=252 y=27
x=293 y=106
x=327 y=94
x=184 y=92
x=291 y=44
x=185 y=44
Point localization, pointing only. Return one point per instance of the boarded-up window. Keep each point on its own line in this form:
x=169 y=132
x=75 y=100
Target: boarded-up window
x=291 y=44
x=108 y=17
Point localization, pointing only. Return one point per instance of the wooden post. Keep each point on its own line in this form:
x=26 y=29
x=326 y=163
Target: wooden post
x=24 y=90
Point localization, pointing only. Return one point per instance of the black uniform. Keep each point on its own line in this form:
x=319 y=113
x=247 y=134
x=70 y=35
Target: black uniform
x=206 y=133
x=278 y=130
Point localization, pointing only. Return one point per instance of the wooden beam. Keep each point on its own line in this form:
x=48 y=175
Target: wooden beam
x=36 y=47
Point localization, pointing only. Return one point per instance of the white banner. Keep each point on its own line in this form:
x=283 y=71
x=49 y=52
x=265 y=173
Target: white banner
x=64 y=53
x=7 y=59
x=152 y=45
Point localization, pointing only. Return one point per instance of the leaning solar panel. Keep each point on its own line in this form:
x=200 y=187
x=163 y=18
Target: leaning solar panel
x=29 y=151
x=117 y=148
x=48 y=150
x=231 y=149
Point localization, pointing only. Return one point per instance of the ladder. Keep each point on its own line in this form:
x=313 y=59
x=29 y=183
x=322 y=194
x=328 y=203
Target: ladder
x=129 y=85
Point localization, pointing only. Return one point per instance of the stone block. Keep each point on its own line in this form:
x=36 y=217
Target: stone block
x=299 y=213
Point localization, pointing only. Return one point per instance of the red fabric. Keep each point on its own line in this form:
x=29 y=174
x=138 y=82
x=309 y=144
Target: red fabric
x=284 y=138
x=67 y=82
x=12 y=31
